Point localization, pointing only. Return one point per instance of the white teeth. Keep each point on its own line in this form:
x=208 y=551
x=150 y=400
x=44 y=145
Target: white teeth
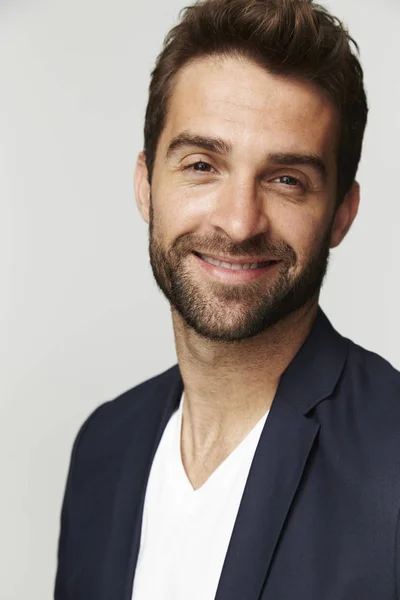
x=231 y=266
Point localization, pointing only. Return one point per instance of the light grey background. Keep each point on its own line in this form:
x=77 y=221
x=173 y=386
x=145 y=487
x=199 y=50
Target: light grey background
x=81 y=319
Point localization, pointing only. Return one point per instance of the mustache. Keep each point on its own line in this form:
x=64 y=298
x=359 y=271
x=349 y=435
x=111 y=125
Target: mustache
x=253 y=247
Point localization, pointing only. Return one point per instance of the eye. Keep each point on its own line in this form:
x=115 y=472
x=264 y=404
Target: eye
x=199 y=166
x=289 y=180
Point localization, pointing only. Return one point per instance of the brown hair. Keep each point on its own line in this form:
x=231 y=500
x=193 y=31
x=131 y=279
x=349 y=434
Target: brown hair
x=294 y=38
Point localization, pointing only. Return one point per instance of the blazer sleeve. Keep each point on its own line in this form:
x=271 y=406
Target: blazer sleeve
x=62 y=589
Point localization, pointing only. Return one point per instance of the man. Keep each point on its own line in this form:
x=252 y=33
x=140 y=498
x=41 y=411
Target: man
x=266 y=464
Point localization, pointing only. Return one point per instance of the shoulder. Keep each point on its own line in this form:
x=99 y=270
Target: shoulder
x=373 y=373
x=112 y=421
x=365 y=406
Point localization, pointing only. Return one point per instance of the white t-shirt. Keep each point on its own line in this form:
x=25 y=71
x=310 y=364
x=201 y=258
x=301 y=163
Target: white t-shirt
x=186 y=533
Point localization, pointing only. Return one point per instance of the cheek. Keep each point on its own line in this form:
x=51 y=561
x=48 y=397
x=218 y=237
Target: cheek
x=311 y=241
x=302 y=229
x=292 y=224
x=179 y=211
x=170 y=218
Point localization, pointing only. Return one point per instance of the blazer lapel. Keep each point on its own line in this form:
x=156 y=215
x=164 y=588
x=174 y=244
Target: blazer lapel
x=280 y=460
x=274 y=477
x=124 y=543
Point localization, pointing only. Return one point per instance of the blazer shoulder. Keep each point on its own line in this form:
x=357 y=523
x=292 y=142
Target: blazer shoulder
x=372 y=369
x=113 y=420
x=371 y=386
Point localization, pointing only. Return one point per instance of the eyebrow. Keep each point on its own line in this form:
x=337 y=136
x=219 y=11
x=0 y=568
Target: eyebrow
x=220 y=146
x=212 y=144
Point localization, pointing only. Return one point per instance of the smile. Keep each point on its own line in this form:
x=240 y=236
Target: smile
x=235 y=266
x=234 y=272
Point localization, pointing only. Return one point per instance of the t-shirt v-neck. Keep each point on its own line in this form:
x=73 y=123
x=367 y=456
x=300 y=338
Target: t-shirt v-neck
x=185 y=532
x=225 y=470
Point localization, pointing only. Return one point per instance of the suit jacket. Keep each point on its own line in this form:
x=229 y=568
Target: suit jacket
x=319 y=517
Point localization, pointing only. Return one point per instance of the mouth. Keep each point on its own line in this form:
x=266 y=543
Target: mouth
x=234 y=270
x=235 y=265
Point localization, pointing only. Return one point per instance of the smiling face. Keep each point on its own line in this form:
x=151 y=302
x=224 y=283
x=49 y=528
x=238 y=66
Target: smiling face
x=244 y=175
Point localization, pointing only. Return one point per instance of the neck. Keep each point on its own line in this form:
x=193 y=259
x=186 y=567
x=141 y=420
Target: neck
x=228 y=387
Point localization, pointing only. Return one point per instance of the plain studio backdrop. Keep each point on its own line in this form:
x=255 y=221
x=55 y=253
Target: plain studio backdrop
x=81 y=318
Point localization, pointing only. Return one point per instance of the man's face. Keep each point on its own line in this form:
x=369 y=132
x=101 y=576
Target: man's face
x=245 y=172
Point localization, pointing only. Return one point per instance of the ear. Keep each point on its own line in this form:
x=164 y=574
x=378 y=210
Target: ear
x=142 y=187
x=345 y=215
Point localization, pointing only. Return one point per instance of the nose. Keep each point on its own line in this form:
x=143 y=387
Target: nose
x=240 y=210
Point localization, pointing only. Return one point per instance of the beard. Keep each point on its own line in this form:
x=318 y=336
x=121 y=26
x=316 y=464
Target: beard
x=234 y=312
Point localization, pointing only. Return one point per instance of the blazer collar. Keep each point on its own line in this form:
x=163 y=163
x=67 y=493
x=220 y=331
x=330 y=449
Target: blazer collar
x=315 y=370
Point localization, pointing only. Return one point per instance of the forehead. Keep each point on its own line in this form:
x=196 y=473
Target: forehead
x=251 y=108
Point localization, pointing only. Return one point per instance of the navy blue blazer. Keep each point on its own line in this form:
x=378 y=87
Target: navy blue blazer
x=319 y=517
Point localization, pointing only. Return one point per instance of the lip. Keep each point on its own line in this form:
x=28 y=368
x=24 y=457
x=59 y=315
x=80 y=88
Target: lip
x=229 y=276
x=236 y=261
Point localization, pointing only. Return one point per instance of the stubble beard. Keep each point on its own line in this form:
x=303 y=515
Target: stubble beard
x=234 y=312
